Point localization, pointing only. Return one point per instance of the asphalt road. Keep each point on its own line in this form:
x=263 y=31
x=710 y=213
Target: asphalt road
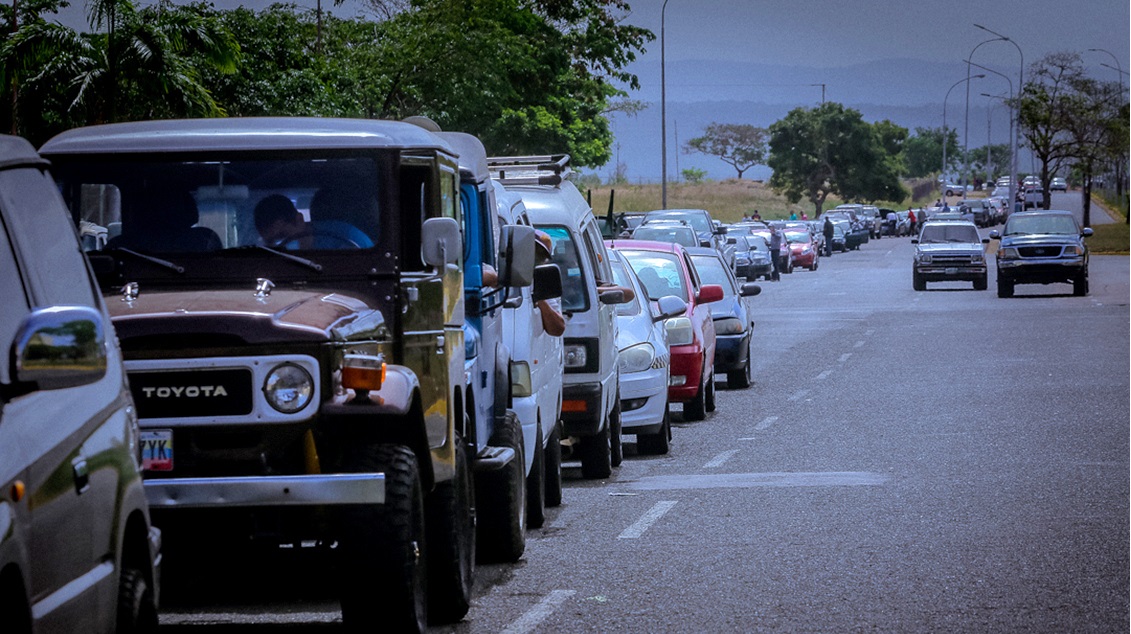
x=939 y=461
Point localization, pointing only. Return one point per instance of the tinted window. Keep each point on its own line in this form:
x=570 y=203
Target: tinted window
x=712 y=271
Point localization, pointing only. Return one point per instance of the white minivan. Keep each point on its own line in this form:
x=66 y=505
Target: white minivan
x=590 y=403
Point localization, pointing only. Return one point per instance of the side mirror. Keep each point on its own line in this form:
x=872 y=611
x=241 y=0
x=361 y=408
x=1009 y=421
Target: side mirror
x=985 y=240
x=994 y=235
x=669 y=306
x=916 y=240
x=611 y=296
x=516 y=256
x=732 y=240
x=547 y=282
x=710 y=293
x=750 y=289
x=722 y=231
x=1087 y=232
x=441 y=242
x=59 y=347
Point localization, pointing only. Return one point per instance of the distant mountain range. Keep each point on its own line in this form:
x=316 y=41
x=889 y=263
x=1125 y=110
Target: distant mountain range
x=905 y=91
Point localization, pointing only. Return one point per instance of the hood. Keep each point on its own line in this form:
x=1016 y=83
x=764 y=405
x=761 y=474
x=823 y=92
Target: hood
x=280 y=316
x=634 y=329
x=957 y=248
x=728 y=306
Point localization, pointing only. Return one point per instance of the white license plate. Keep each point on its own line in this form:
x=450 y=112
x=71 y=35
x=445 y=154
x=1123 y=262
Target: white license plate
x=951 y=271
x=157 y=450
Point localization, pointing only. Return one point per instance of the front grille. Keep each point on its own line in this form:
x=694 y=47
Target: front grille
x=1040 y=251
x=950 y=260
x=185 y=394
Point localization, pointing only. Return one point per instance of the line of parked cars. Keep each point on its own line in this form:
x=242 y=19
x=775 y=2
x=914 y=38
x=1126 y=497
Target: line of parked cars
x=361 y=343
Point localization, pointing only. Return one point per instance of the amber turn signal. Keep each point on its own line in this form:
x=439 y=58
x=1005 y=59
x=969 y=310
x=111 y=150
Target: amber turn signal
x=363 y=372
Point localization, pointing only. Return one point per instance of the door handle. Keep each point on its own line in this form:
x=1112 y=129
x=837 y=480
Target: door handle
x=82 y=475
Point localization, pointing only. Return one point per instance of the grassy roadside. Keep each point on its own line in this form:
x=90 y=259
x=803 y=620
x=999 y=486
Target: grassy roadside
x=1114 y=238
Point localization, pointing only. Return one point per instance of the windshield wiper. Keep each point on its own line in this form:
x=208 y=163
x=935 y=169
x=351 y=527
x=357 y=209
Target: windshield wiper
x=311 y=264
x=172 y=266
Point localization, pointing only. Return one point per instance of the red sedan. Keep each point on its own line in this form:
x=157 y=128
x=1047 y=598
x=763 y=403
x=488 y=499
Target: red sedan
x=666 y=269
x=804 y=248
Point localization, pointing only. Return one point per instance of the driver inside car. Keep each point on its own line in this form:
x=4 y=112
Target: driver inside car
x=281 y=225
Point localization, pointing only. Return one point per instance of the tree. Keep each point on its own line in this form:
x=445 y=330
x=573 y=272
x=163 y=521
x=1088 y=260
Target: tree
x=1045 y=105
x=923 y=154
x=1091 y=112
x=830 y=149
x=741 y=146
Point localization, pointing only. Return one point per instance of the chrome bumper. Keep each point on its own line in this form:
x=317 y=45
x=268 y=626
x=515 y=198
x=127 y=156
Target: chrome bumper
x=299 y=490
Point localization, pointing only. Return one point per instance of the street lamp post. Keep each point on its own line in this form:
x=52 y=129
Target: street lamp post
x=1014 y=142
x=1118 y=67
x=944 y=136
x=1012 y=138
x=989 y=116
x=663 y=116
x=966 y=125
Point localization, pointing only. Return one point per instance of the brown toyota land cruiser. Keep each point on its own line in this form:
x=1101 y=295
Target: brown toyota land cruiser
x=289 y=297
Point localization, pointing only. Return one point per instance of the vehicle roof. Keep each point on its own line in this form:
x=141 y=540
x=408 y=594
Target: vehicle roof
x=472 y=154
x=244 y=133
x=645 y=245
x=554 y=204
x=703 y=251
x=17 y=151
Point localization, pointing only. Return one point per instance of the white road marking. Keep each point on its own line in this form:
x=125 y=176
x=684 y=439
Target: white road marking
x=824 y=375
x=858 y=344
x=844 y=357
x=718 y=460
x=754 y=480
x=798 y=395
x=647 y=520
x=535 y=615
x=870 y=332
x=766 y=422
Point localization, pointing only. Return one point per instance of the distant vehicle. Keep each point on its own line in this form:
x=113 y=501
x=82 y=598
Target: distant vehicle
x=948 y=251
x=1058 y=184
x=1042 y=247
x=680 y=233
x=803 y=249
x=752 y=258
x=77 y=550
x=953 y=189
x=1034 y=197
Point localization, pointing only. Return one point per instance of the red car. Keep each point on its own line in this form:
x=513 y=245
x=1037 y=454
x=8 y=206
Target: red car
x=666 y=269
x=803 y=247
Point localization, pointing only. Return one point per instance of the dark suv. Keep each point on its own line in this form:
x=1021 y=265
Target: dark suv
x=1042 y=247
x=77 y=552
x=289 y=297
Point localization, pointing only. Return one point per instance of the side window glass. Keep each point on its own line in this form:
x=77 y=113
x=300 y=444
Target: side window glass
x=34 y=210
x=15 y=304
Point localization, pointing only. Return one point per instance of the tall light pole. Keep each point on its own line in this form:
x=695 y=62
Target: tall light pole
x=1014 y=142
x=989 y=115
x=663 y=117
x=966 y=125
x=1118 y=66
x=944 y=135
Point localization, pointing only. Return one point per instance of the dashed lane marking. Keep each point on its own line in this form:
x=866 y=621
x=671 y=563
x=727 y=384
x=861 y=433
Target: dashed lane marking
x=824 y=375
x=798 y=395
x=754 y=480
x=858 y=344
x=844 y=357
x=647 y=520
x=718 y=460
x=535 y=615
x=766 y=422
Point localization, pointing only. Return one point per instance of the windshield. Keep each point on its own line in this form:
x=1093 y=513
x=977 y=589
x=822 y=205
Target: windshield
x=755 y=243
x=698 y=221
x=712 y=271
x=161 y=206
x=797 y=236
x=565 y=255
x=660 y=273
x=621 y=277
x=1042 y=223
x=949 y=233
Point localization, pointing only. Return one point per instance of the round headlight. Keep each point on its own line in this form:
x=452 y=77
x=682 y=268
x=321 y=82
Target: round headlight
x=288 y=388
x=636 y=358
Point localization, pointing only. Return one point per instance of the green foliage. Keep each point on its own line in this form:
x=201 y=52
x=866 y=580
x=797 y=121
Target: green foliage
x=741 y=146
x=923 y=154
x=831 y=150
x=694 y=175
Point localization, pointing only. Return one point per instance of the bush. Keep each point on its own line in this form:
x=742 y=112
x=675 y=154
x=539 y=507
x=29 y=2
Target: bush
x=694 y=175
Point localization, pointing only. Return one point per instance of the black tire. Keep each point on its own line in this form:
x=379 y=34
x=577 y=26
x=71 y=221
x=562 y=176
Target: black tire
x=709 y=400
x=137 y=608
x=1080 y=286
x=696 y=408
x=384 y=556
x=739 y=379
x=501 y=499
x=450 y=531
x=554 y=467
x=616 y=444
x=981 y=284
x=596 y=456
x=917 y=282
x=1004 y=288
x=536 y=485
x=659 y=443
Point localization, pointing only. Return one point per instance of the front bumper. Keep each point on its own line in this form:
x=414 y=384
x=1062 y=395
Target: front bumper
x=581 y=409
x=1042 y=270
x=260 y=491
x=731 y=352
x=643 y=400
x=966 y=273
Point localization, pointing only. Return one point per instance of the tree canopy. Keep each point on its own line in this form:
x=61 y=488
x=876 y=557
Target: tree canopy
x=741 y=146
x=830 y=149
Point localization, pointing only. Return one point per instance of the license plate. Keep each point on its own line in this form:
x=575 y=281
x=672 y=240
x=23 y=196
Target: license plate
x=157 y=450
x=951 y=271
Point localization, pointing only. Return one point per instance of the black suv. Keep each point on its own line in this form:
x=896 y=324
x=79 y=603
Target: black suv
x=1042 y=247
x=77 y=552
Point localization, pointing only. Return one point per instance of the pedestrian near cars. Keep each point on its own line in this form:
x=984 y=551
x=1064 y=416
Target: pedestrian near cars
x=793 y=216
x=775 y=252
x=829 y=232
x=911 y=219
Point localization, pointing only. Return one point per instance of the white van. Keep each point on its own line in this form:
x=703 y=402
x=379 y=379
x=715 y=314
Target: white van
x=590 y=403
x=536 y=381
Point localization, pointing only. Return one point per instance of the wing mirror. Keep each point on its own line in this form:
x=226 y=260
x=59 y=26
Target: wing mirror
x=441 y=242
x=710 y=293
x=516 y=256
x=547 y=282
x=60 y=347
x=669 y=306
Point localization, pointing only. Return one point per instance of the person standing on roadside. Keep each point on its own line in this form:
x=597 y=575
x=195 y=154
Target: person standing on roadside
x=829 y=232
x=911 y=218
x=775 y=251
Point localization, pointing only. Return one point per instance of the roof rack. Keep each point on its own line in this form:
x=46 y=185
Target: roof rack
x=542 y=169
